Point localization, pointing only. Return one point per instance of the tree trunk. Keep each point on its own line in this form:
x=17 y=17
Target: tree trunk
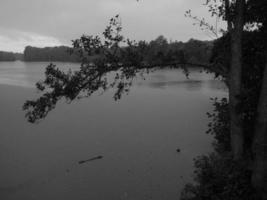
x=236 y=128
x=259 y=175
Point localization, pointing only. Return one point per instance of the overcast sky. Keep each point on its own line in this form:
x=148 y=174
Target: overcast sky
x=56 y=22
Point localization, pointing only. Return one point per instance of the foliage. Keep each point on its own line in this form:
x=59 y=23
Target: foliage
x=211 y=30
x=219 y=126
x=218 y=177
x=220 y=56
x=252 y=75
x=101 y=57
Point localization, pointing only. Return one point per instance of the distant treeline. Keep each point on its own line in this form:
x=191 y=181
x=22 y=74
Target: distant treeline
x=10 y=56
x=158 y=50
x=61 y=53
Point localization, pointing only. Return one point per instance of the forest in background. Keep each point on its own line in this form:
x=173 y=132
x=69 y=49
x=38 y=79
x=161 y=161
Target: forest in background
x=158 y=50
x=10 y=56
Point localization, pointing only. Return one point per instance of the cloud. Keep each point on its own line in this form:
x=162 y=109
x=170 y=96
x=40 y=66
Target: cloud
x=12 y=40
x=69 y=19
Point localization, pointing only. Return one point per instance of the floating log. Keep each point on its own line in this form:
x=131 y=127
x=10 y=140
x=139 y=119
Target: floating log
x=91 y=159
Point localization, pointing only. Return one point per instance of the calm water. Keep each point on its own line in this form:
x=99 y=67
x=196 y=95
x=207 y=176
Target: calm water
x=137 y=137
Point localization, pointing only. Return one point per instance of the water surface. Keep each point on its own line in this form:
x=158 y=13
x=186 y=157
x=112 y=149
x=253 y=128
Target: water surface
x=137 y=137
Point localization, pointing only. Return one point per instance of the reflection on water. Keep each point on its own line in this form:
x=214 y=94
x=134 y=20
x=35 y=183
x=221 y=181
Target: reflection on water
x=12 y=73
x=138 y=137
x=216 y=85
x=189 y=84
x=27 y=74
x=197 y=80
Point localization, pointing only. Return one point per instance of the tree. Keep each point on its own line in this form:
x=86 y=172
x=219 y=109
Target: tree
x=258 y=15
x=251 y=14
x=248 y=16
x=259 y=175
x=124 y=57
x=235 y=29
x=233 y=13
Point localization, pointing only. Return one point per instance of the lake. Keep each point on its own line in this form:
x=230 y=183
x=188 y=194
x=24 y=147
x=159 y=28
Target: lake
x=137 y=136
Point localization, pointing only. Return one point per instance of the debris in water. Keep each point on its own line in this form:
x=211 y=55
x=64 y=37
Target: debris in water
x=91 y=159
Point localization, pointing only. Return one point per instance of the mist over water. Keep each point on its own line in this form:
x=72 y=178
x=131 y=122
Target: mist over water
x=137 y=137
